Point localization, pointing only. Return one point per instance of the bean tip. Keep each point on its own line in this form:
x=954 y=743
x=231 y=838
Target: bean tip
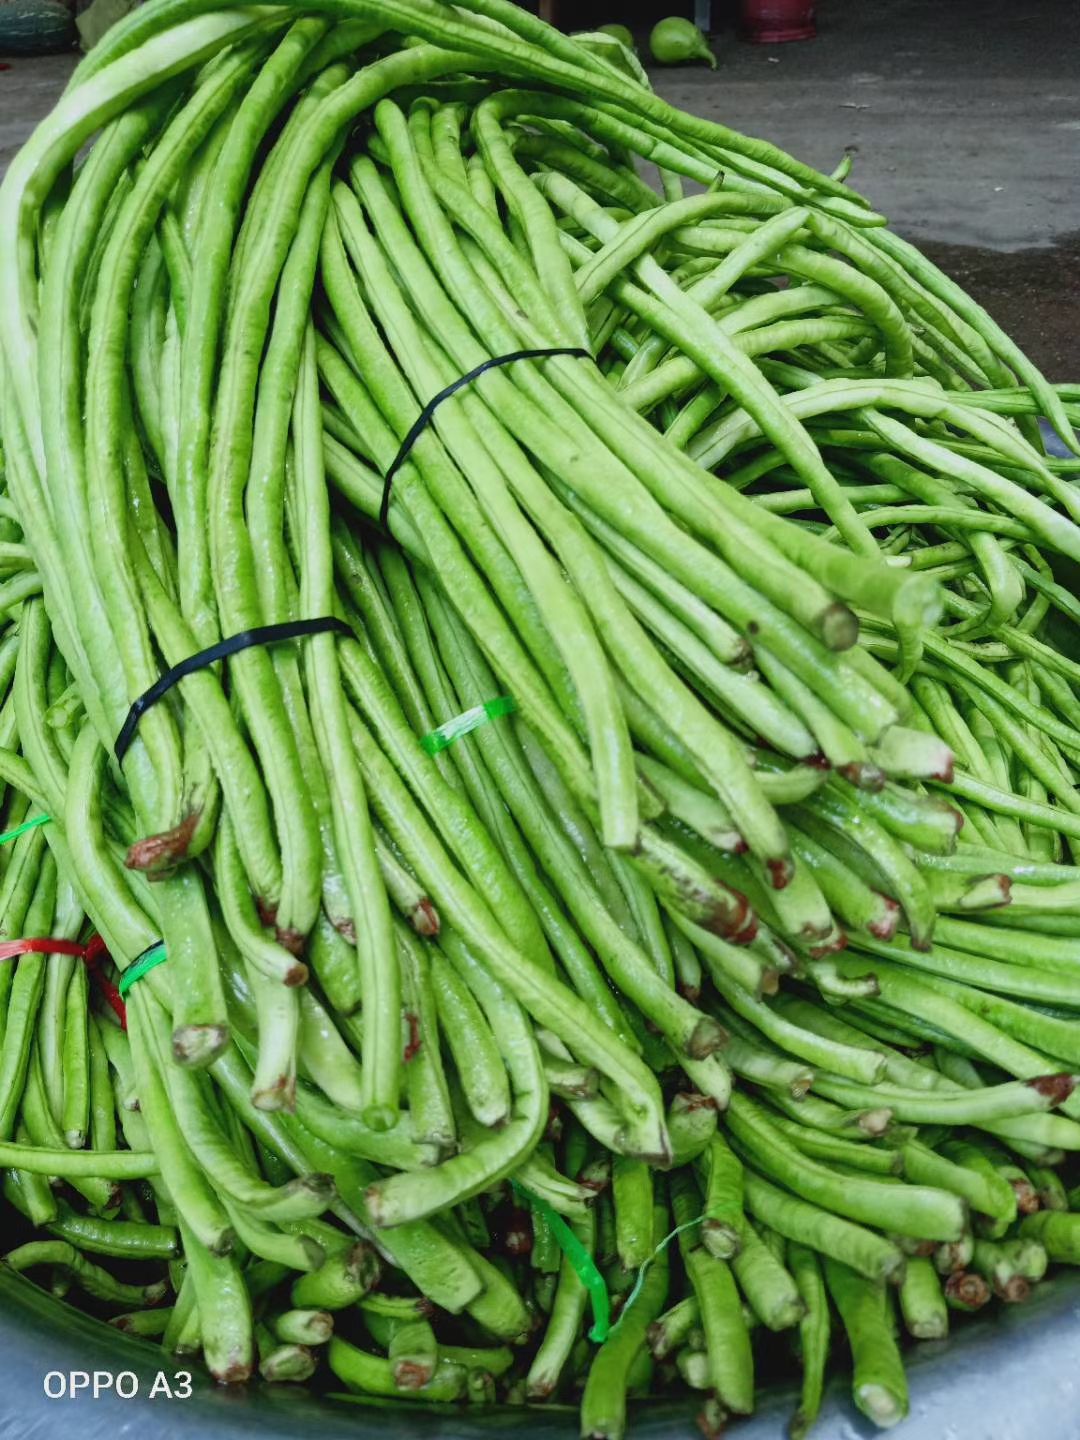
x=884 y=927
x=160 y=853
x=197 y=1046
x=291 y=940
x=425 y=918
x=780 y=870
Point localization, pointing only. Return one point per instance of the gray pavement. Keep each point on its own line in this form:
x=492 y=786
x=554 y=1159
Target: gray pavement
x=965 y=114
x=28 y=91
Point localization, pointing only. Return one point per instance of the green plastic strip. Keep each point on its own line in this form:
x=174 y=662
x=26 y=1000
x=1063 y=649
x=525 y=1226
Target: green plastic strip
x=155 y=955
x=472 y=719
x=664 y=1243
x=579 y=1257
x=22 y=829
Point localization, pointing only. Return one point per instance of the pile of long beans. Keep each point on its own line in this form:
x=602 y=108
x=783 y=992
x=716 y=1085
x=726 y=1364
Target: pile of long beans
x=646 y=919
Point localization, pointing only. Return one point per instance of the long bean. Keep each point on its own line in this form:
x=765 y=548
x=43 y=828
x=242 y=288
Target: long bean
x=878 y=1383
x=695 y=686
x=603 y=1406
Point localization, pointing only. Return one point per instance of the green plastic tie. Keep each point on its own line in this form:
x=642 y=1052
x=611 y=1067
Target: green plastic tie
x=22 y=829
x=579 y=1257
x=155 y=955
x=472 y=719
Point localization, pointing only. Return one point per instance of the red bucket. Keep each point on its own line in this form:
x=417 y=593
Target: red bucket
x=770 y=22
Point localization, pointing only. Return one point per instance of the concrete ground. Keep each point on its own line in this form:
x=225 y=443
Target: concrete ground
x=964 y=119
x=963 y=115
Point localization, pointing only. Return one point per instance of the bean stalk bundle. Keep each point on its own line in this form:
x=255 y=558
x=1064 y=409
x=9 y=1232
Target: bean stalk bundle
x=777 y=581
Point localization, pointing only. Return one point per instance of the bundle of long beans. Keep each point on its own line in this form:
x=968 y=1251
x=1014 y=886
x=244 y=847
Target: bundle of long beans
x=605 y=879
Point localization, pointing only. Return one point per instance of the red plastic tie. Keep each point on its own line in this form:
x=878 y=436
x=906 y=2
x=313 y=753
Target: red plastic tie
x=90 y=954
x=111 y=995
x=9 y=949
x=95 y=949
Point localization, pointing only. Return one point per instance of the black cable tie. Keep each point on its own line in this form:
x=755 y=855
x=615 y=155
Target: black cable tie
x=422 y=421
x=245 y=640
